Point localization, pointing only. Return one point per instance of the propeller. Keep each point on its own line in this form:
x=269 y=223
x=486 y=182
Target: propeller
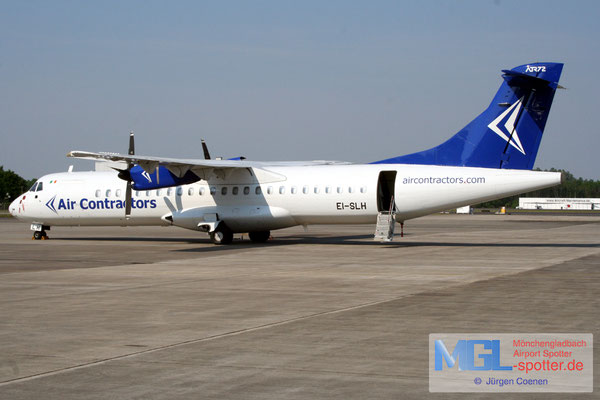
x=125 y=174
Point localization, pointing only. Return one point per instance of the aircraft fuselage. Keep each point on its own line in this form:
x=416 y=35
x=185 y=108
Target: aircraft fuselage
x=274 y=198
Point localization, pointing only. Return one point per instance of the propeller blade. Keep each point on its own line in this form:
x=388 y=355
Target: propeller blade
x=124 y=174
x=131 y=144
x=128 y=200
x=205 y=149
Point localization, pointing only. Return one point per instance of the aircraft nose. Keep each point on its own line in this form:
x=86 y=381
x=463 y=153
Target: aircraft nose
x=14 y=206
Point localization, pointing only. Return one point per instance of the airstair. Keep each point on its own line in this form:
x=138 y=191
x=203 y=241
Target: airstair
x=386 y=222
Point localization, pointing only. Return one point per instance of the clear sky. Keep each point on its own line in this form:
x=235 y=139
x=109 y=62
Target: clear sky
x=282 y=80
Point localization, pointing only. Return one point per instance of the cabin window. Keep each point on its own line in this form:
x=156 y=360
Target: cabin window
x=201 y=191
x=169 y=191
x=246 y=189
x=108 y=193
x=98 y=193
x=179 y=191
x=327 y=189
x=213 y=190
x=258 y=190
x=281 y=189
x=148 y=193
x=350 y=189
x=294 y=189
x=190 y=191
x=340 y=190
x=224 y=190
x=234 y=191
x=363 y=189
x=270 y=190
x=316 y=190
x=40 y=187
x=305 y=189
x=118 y=193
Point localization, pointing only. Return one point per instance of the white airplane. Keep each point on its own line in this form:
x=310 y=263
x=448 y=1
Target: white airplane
x=490 y=158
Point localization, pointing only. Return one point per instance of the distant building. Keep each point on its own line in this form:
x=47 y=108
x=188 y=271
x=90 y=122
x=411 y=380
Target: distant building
x=464 y=210
x=550 y=203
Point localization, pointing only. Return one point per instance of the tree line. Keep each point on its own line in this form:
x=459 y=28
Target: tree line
x=11 y=186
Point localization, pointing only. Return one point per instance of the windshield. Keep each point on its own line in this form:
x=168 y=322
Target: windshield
x=33 y=187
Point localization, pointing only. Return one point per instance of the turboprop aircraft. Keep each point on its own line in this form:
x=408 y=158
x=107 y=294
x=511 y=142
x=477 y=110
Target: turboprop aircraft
x=490 y=158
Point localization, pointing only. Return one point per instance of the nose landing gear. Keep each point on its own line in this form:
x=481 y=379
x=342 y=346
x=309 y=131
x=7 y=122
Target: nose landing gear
x=39 y=232
x=40 y=235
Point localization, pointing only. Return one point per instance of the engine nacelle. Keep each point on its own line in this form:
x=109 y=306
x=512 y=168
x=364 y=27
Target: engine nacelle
x=238 y=219
x=142 y=180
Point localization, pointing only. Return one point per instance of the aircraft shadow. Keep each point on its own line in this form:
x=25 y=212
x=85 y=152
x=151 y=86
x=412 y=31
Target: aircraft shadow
x=359 y=240
x=348 y=240
x=132 y=239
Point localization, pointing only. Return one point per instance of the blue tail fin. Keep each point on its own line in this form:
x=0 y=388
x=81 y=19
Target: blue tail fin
x=508 y=133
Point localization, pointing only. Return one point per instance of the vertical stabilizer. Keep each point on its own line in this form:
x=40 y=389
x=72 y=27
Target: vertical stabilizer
x=508 y=133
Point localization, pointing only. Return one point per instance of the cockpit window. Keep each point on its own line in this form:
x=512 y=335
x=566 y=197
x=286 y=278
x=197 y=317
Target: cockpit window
x=40 y=187
x=33 y=187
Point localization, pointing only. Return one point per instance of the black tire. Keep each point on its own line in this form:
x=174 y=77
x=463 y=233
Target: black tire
x=37 y=235
x=260 y=236
x=221 y=235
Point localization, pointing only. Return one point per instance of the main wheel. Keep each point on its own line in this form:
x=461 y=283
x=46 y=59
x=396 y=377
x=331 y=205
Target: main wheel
x=221 y=235
x=259 y=237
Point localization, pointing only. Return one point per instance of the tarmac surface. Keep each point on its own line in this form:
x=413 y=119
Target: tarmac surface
x=137 y=313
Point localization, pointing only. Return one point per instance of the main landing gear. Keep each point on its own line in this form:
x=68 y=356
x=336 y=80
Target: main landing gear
x=259 y=237
x=221 y=235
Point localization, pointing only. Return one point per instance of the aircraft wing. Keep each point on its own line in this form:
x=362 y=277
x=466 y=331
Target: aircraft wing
x=180 y=167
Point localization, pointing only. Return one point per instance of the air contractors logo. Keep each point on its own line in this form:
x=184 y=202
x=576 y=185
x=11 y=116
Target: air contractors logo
x=507 y=131
x=50 y=204
x=56 y=205
x=147 y=176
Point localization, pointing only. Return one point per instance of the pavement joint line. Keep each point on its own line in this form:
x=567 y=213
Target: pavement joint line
x=193 y=341
x=248 y=330
x=175 y=282
x=279 y=368
x=105 y=290
x=113 y=289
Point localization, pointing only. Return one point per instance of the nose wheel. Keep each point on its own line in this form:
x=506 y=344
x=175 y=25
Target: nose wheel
x=40 y=235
